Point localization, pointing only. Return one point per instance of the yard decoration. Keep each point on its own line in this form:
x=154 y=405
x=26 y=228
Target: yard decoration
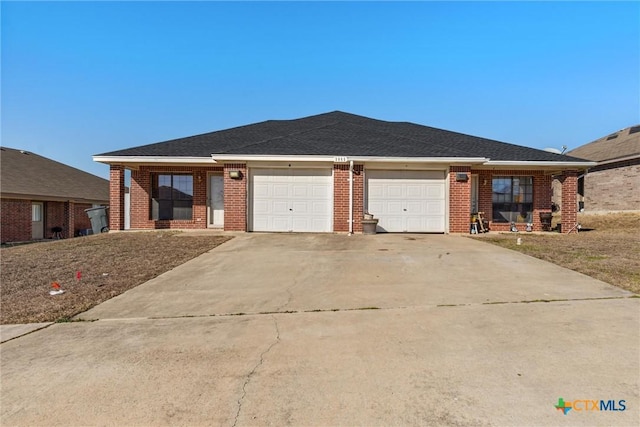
x=57 y=290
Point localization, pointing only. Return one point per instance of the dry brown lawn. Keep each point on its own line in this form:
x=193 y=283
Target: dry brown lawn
x=109 y=264
x=607 y=248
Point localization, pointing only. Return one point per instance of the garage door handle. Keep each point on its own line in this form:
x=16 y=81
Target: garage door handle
x=291 y=210
x=404 y=210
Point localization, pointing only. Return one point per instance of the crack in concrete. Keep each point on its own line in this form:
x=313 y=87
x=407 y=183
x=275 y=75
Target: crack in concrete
x=253 y=371
x=290 y=295
x=327 y=310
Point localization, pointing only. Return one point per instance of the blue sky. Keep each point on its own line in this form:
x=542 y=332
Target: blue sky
x=82 y=78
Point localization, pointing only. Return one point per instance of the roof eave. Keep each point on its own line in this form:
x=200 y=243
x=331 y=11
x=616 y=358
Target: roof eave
x=342 y=159
x=151 y=159
x=540 y=164
x=50 y=198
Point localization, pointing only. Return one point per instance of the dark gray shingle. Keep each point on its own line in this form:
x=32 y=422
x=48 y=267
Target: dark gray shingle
x=340 y=134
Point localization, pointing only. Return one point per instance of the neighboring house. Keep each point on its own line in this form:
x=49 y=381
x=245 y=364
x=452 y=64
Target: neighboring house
x=40 y=195
x=322 y=173
x=613 y=184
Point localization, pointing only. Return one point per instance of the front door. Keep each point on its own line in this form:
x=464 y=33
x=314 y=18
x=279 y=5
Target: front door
x=216 y=201
x=37 y=220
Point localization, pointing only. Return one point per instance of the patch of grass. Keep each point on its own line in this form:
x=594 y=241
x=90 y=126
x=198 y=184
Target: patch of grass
x=609 y=251
x=67 y=319
x=109 y=264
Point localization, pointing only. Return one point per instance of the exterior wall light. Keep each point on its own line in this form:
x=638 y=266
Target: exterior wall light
x=235 y=174
x=462 y=177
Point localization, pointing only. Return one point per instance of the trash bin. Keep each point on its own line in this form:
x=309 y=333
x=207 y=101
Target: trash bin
x=369 y=226
x=98 y=217
x=545 y=220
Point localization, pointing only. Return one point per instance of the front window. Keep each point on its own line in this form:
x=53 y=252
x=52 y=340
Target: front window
x=171 y=196
x=512 y=199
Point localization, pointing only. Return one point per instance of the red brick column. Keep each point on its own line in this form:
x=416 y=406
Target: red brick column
x=542 y=192
x=459 y=200
x=235 y=198
x=68 y=230
x=341 y=197
x=569 y=206
x=140 y=199
x=116 y=197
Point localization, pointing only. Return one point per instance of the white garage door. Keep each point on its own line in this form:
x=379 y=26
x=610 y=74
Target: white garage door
x=291 y=200
x=407 y=201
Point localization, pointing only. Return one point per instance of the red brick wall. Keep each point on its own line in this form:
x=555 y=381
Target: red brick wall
x=569 y=208
x=341 y=197
x=235 y=198
x=140 y=191
x=55 y=216
x=459 y=200
x=541 y=196
x=15 y=220
x=116 y=197
x=82 y=221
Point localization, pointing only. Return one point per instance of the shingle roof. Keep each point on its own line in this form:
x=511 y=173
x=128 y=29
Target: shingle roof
x=28 y=174
x=340 y=134
x=617 y=145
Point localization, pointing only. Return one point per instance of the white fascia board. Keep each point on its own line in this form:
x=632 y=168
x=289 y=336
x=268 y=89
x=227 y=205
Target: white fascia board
x=345 y=159
x=535 y=164
x=151 y=159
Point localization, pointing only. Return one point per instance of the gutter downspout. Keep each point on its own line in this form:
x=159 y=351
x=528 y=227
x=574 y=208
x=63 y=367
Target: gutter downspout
x=350 y=197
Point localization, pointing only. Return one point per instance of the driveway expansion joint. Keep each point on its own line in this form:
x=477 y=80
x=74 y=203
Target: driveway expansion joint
x=253 y=371
x=368 y=308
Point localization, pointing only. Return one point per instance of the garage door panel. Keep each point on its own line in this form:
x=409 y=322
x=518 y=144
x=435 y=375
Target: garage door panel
x=278 y=223
x=279 y=190
x=434 y=191
x=278 y=207
x=300 y=191
x=407 y=201
x=291 y=200
x=394 y=191
x=321 y=192
x=415 y=190
x=415 y=206
x=435 y=207
x=393 y=207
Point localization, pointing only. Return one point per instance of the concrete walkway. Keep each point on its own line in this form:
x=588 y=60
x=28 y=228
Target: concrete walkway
x=282 y=330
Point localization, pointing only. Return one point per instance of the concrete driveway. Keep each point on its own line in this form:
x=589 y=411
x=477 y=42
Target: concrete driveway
x=336 y=330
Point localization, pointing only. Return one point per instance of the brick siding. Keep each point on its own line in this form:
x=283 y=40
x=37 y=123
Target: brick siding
x=341 y=197
x=235 y=198
x=140 y=191
x=15 y=220
x=613 y=187
x=116 y=197
x=569 y=207
x=236 y=190
x=541 y=196
x=459 y=200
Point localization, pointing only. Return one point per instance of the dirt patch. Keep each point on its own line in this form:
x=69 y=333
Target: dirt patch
x=607 y=248
x=108 y=265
